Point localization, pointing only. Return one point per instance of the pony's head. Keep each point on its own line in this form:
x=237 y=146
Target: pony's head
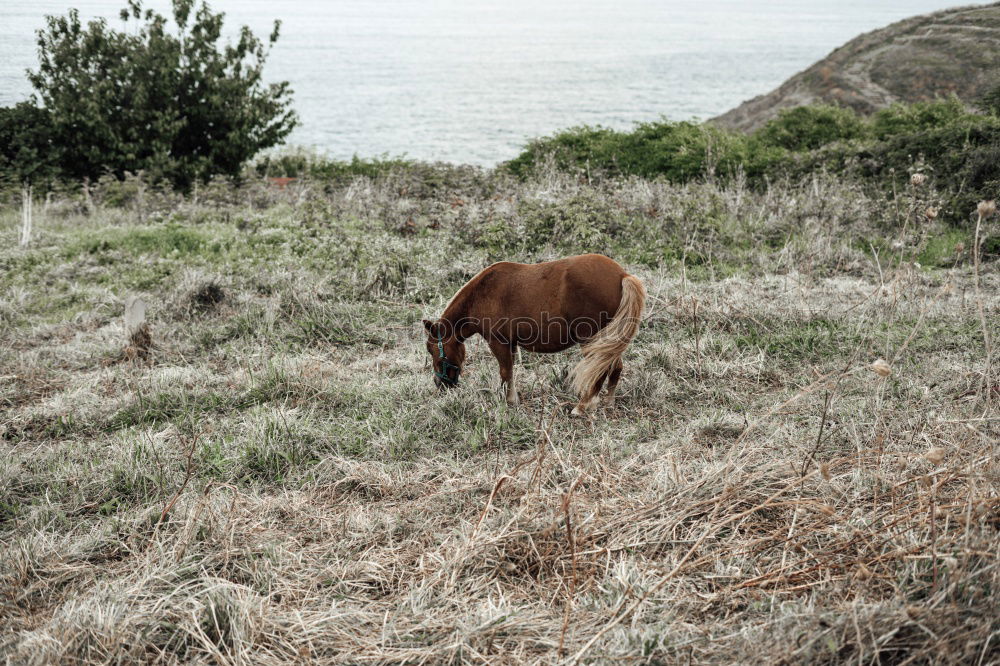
x=447 y=353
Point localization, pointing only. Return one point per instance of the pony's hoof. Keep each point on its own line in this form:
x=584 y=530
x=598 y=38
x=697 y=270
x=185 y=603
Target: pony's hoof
x=577 y=412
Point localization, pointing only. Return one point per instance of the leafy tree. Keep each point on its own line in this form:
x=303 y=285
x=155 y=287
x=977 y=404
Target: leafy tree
x=178 y=103
x=25 y=149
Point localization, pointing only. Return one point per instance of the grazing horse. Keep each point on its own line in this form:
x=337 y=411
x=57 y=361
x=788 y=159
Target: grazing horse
x=588 y=300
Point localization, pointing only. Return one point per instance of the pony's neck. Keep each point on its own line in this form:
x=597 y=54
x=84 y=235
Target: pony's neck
x=459 y=312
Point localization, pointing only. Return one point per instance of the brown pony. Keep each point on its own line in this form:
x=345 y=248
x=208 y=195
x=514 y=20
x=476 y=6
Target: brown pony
x=548 y=307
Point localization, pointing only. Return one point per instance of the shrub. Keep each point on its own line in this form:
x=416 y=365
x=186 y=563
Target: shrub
x=679 y=151
x=962 y=159
x=574 y=148
x=901 y=119
x=302 y=163
x=959 y=149
x=990 y=101
x=177 y=104
x=809 y=127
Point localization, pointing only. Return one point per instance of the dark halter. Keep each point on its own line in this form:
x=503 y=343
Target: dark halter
x=442 y=374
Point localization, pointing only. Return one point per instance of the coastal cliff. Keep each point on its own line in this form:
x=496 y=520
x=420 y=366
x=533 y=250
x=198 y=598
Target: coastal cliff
x=953 y=51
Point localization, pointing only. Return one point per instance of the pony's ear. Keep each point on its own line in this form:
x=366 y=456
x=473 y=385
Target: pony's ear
x=428 y=324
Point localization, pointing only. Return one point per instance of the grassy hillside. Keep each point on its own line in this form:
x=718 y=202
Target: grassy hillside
x=275 y=478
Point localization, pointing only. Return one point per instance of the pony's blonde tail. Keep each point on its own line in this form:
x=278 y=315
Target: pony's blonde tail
x=601 y=352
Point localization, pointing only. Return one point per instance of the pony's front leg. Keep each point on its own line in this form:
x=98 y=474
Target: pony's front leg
x=505 y=359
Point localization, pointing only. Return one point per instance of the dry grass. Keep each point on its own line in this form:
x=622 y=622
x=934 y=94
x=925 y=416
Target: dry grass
x=277 y=481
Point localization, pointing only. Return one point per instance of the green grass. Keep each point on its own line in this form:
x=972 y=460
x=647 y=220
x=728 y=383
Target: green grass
x=809 y=341
x=941 y=251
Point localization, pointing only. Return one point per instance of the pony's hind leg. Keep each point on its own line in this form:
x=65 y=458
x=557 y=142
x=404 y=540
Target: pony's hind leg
x=613 y=377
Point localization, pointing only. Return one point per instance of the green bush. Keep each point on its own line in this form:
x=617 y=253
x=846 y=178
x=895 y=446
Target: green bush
x=679 y=151
x=809 y=127
x=177 y=103
x=958 y=149
x=905 y=119
x=990 y=101
x=961 y=159
x=574 y=148
x=305 y=164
